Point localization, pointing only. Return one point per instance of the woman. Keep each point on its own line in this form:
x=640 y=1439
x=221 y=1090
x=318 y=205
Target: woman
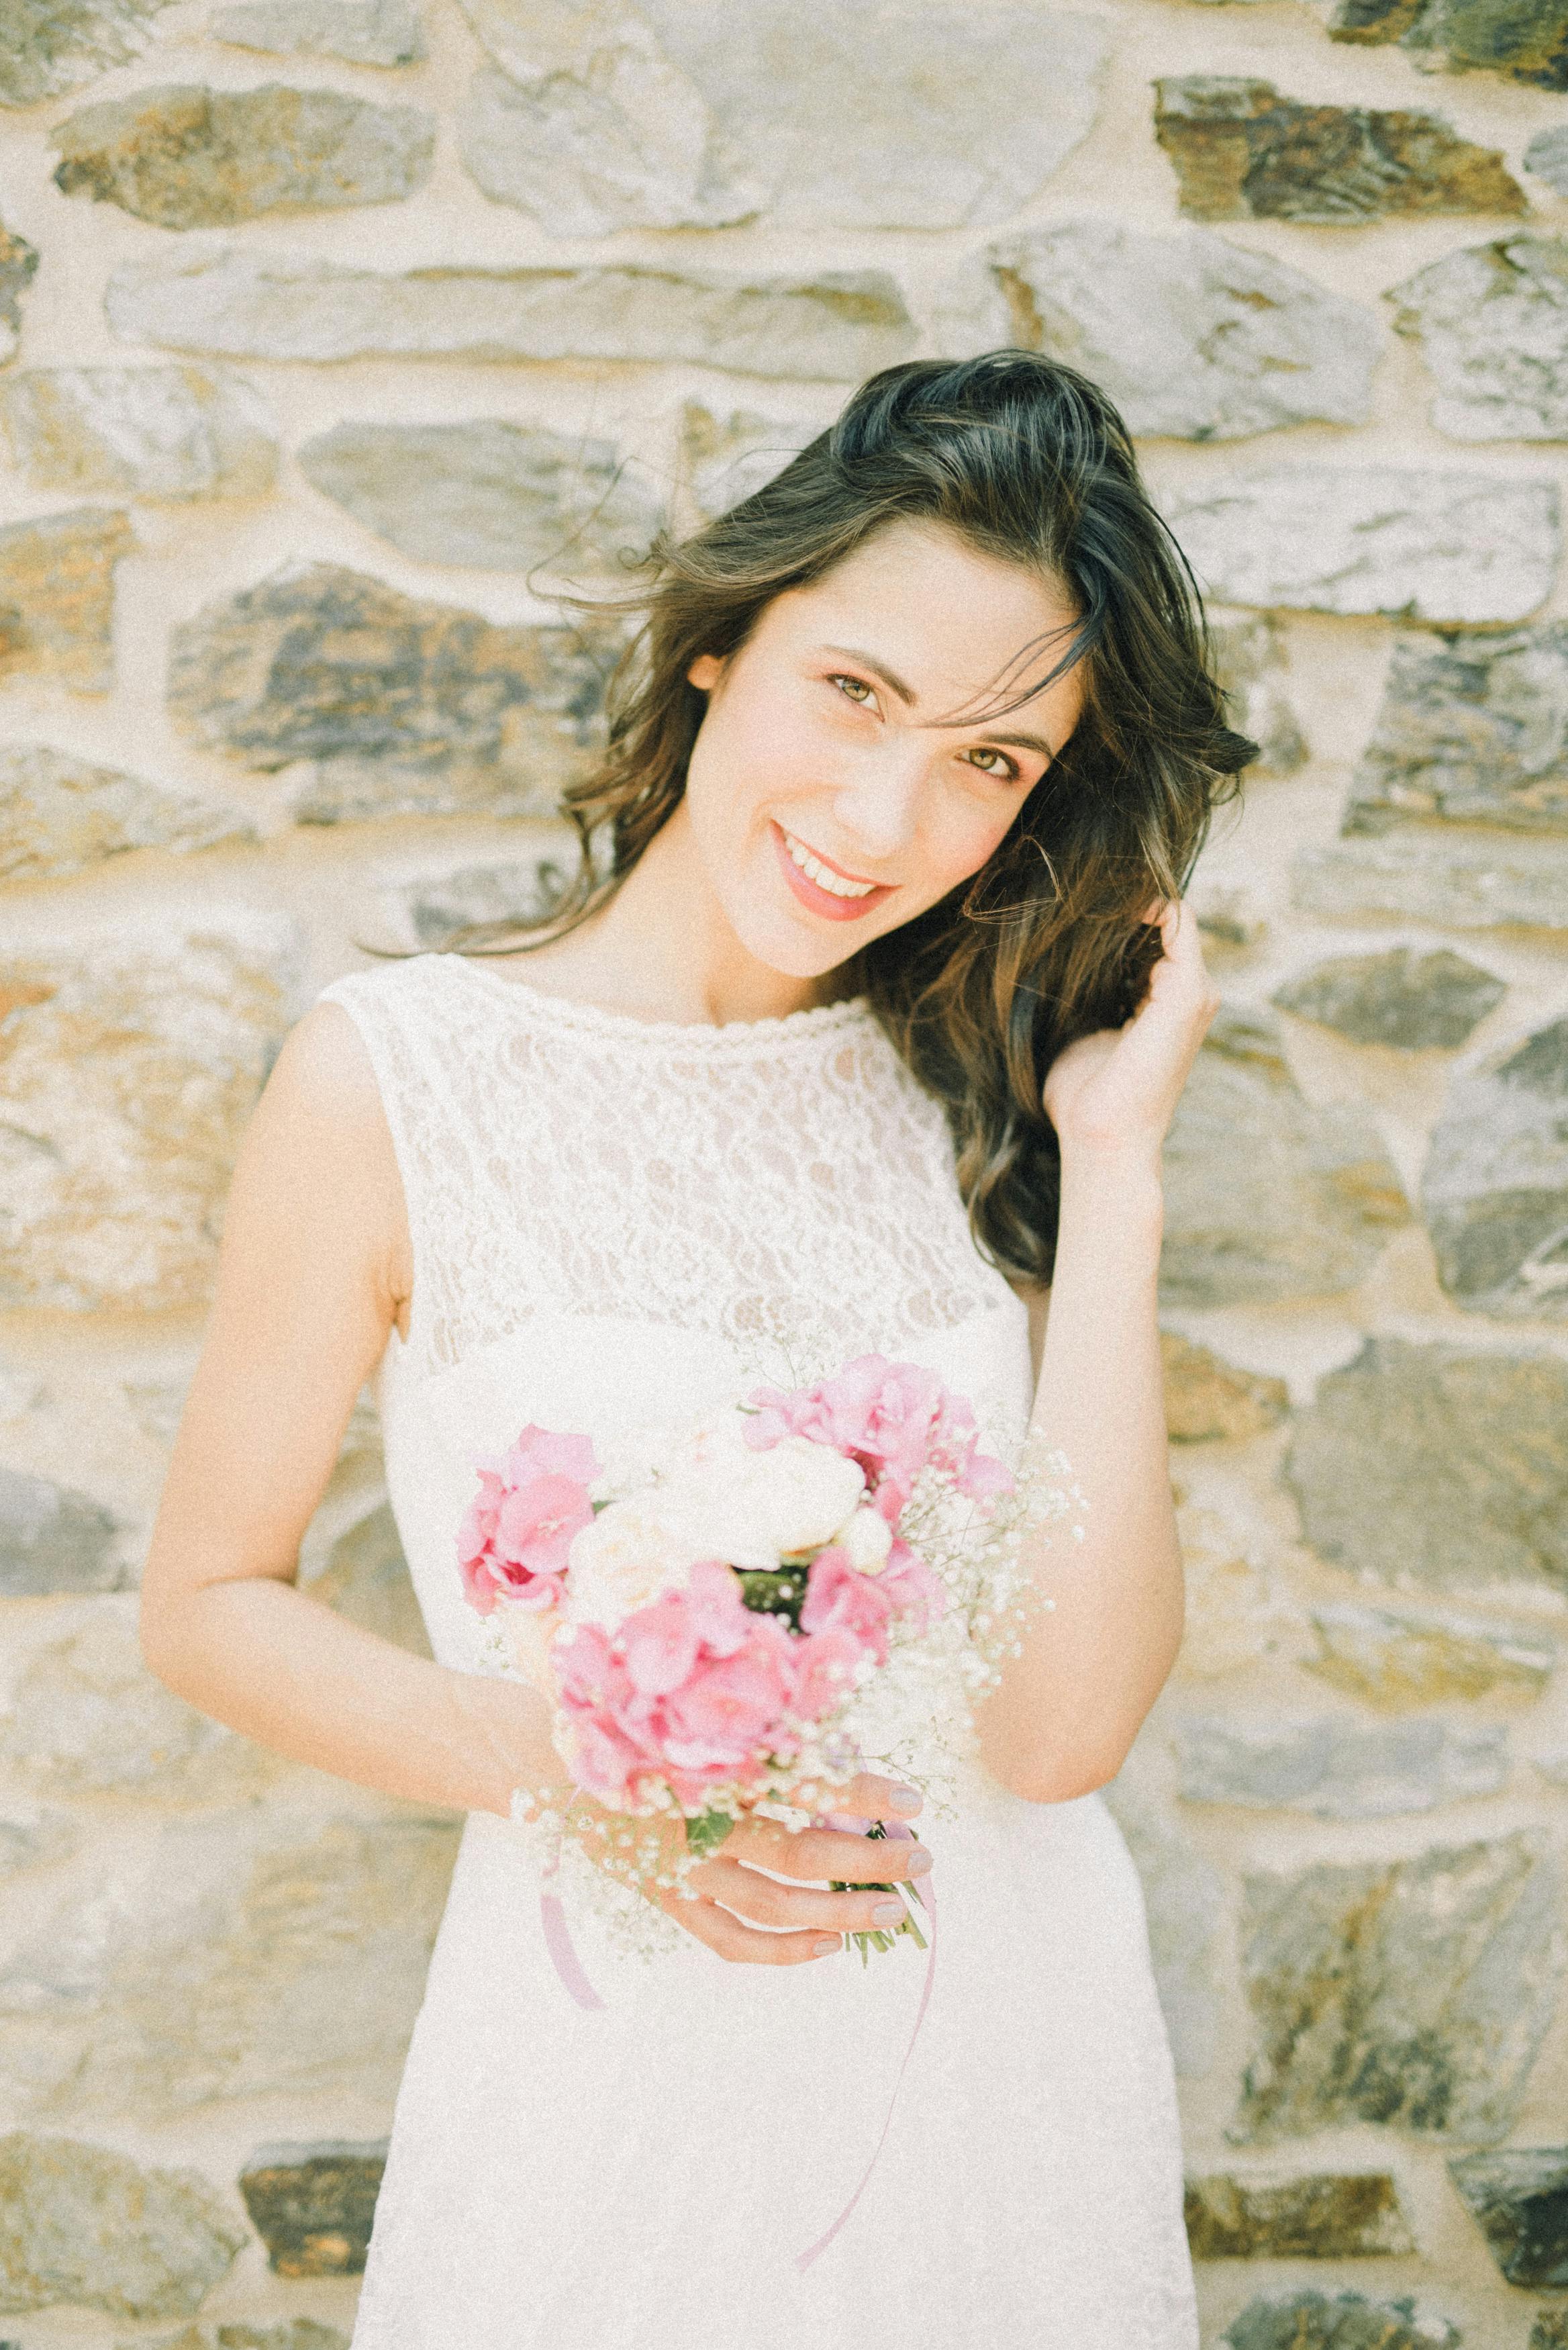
x=877 y=1013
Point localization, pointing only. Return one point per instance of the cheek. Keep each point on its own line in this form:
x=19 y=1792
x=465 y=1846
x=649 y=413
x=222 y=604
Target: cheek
x=963 y=834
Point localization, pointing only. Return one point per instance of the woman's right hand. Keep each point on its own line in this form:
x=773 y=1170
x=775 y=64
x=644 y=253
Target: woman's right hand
x=725 y=1901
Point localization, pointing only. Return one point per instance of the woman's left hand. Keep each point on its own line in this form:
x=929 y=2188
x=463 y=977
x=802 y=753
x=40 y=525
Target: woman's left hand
x=1113 y=1092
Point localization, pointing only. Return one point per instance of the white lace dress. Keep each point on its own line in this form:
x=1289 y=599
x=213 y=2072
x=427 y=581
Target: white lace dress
x=615 y=1222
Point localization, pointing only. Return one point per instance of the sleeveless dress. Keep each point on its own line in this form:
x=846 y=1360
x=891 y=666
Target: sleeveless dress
x=616 y=1222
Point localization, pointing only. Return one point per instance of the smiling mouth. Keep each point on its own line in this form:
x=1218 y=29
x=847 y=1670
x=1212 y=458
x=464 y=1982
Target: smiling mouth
x=837 y=883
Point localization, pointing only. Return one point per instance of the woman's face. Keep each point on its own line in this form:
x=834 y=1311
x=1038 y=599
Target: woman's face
x=836 y=789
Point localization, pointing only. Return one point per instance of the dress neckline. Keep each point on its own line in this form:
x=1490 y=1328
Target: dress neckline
x=595 y=1020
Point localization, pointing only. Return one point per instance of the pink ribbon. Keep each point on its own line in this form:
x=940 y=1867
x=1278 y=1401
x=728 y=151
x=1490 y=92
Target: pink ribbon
x=569 y=1966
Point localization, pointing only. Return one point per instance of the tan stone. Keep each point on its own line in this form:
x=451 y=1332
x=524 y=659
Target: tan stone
x=1238 y=1614
x=364 y=32
x=728 y=457
x=18 y=265
x=1401 y=1659
x=1250 y=663
x=139 y=432
x=52 y=44
x=126 y=1080
x=1206 y=1396
x=61 y=815
x=82 y=2224
x=57 y=596
x=366 y=1578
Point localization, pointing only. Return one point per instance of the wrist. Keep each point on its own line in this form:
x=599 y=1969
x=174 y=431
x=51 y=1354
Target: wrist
x=1110 y=1173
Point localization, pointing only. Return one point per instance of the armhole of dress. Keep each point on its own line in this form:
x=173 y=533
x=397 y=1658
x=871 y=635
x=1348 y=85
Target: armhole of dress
x=381 y=1032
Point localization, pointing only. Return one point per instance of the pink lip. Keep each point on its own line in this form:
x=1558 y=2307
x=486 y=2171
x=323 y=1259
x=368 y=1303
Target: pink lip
x=823 y=901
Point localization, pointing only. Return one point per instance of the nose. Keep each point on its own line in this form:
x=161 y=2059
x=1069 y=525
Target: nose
x=877 y=807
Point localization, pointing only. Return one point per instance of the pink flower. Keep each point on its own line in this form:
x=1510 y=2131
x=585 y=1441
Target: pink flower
x=839 y=1599
x=824 y=1666
x=726 y=1714
x=660 y=1644
x=893 y=1419
x=911 y=1586
x=517 y=1533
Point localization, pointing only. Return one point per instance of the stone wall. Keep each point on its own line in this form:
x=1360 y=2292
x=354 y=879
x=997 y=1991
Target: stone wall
x=328 y=324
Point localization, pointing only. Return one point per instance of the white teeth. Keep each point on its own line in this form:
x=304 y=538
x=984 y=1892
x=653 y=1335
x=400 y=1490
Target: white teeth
x=822 y=875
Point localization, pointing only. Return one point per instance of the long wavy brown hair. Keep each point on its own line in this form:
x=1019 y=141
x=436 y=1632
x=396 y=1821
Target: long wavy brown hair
x=1027 y=460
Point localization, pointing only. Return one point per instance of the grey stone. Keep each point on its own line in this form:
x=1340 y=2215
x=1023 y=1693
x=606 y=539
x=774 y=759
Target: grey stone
x=1520 y=2200
x=1494 y=1191
x=1415 y=544
x=390 y=705
x=57 y=596
x=1183 y=1898
x=521 y=889
x=366 y=1578
x=1300 y=2319
x=1414 y=1659
x=313 y=2206
x=54 y=1539
x=1529 y=44
x=1547 y=157
x=1438 y=1465
x=1250 y=663
x=1267 y=1195
x=687 y=113
x=1231 y=913
x=1192 y=337
x=36 y=1843
x=140 y=433
x=1473 y=729
x=293 y=2334
x=59 y=814
x=80 y=2224
x=1205 y=1397
x=1336 y=1768
x=1320 y=2215
x=502 y=497
x=50 y=46
x=1492 y=324
x=1408 y=1992
x=1243 y=152
x=227 y=1955
x=188 y=157
x=1478 y=884
x=18 y=265
x=840 y=325
x=128 y=1078
x=1419 y=1002
x=1549 y=2331
x=365 y=32
x=729 y=457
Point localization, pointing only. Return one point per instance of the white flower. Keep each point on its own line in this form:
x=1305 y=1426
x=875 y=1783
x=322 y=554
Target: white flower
x=865 y=1538
x=632 y=1552
x=752 y=1508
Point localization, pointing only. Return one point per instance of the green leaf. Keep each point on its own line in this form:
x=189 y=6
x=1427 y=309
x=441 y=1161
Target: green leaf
x=708 y=1830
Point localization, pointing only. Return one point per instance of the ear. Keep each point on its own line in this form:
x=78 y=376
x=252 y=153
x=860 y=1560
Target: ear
x=705 y=672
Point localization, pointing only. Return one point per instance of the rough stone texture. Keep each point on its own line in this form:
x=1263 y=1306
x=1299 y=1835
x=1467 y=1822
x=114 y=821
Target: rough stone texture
x=1400 y=1661
x=840 y=325
x=1249 y=660
x=1336 y=1768
x=36 y=1843
x=1304 y=2320
x=1520 y=2200
x=189 y=156
x=365 y=32
x=1267 y=1196
x=1547 y=157
x=79 y=2223
x=1412 y=1993
x=729 y=457
x=140 y=433
x=504 y=497
x=687 y=113
x=366 y=1578
x=1422 y=546
x=1529 y=44
x=52 y=1540
x=1243 y=152
x=395 y=705
x=86 y=1717
x=1473 y=729
x=312 y=2206
x=1206 y=1396
x=52 y=44
x=521 y=889
x=1465 y=885
x=125 y=1082
x=1192 y=337
x=233 y=1955
x=61 y=814
x=1494 y=1191
x=1322 y=2215
x=19 y=266
x=57 y=596
x=1230 y=914
x=1492 y=324
x=1238 y=1611
x=1438 y=1465
x=1184 y=1899
x=1419 y=1002
x=294 y=2334
x=1549 y=2331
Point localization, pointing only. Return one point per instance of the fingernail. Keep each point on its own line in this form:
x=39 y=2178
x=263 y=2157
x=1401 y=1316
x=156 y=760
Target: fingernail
x=828 y=1942
x=887 y=1913
x=905 y=1800
x=919 y=1861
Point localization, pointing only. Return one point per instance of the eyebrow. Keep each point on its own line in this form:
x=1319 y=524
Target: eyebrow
x=895 y=684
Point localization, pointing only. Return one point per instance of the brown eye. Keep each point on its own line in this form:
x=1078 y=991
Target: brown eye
x=1002 y=766
x=854 y=689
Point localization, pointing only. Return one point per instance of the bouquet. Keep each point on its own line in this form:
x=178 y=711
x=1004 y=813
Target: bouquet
x=711 y=1610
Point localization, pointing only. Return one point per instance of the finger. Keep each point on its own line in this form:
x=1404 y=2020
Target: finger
x=764 y=1901
x=866 y=1797
x=726 y=1935
x=822 y=1853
